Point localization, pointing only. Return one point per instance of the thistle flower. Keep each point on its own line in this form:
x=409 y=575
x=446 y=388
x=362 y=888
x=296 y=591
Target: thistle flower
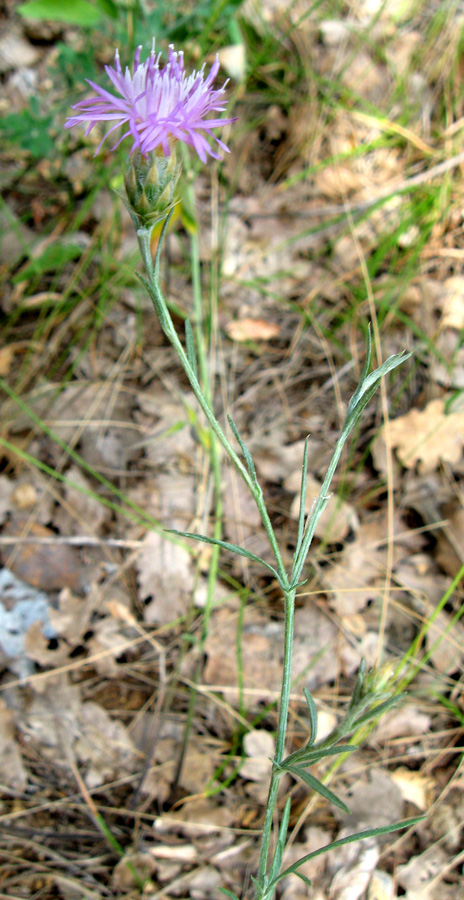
x=159 y=105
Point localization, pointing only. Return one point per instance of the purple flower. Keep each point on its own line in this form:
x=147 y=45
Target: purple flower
x=157 y=105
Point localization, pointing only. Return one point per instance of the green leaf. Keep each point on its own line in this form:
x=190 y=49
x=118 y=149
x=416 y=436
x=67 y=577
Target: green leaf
x=313 y=756
x=228 y=893
x=359 y=685
x=368 y=386
x=54 y=257
x=312 y=716
x=280 y=846
x=244 y=449
x=301 y=513
x=226 y=546
x=352 y=838
x=72 y=12
x=377 y=710
x=316 y=785
x=109 y=8
x=190 y=347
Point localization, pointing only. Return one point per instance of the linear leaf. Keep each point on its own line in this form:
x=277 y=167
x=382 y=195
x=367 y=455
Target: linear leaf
x=312 y=715
x=358 y=686
x=377 y=710
x=317 y=785
x=301 y=758
x=359 y=836
x=367 y=387
x=280 y=845
x=304 y=878
x=190 y=347
x=304 y=484
x=226 y=546
x=244 y=449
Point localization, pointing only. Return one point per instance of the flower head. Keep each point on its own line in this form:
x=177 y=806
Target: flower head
x=158 y=105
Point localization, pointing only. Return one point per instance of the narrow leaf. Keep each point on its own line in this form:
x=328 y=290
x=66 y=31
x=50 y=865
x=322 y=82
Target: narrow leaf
x=228 y=893
x=304 y=878
x=301 y=513
x=368 y=386
x=226 y=546
x=312 y=716
x=352 y=838
x=377 y=710
x=316 y=785
x=244 y=449
x=358 y=686
x=367 y=361
x=280 y=846
x=308 y=759
x=190 y=347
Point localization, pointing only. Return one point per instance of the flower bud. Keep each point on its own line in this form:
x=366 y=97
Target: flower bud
x=150 y=182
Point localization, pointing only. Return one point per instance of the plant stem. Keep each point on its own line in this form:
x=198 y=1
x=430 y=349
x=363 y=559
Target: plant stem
x=167 y=325
x=280 y=743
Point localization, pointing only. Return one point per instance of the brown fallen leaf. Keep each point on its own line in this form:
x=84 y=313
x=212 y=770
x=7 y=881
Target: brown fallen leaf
x=401 y=723
x=417 y=875
x=6 y=358
x=12 y=771
x=354 y=580
x=49 y=567
x=423 y=438
x=262 y=648
x=338 y=518
x=381 y=886
x=314 y=838
x=453 y=303
x=252 y=330
x=355 y=870
x=166 y=579
x=259 y=746
x=101 y=744
x=415 y=788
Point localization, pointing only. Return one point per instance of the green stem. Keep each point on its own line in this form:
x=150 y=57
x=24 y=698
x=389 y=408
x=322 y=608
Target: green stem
x=164 y=316
x=280 y=744
x=214 y=454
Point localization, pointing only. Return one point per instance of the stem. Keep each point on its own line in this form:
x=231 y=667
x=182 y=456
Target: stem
x=318 y=508
x=164 y=316
x=214 y=454
x=280 y=744
x=202 y=395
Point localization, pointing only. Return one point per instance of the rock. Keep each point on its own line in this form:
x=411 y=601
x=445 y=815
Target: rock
x=16 y=52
